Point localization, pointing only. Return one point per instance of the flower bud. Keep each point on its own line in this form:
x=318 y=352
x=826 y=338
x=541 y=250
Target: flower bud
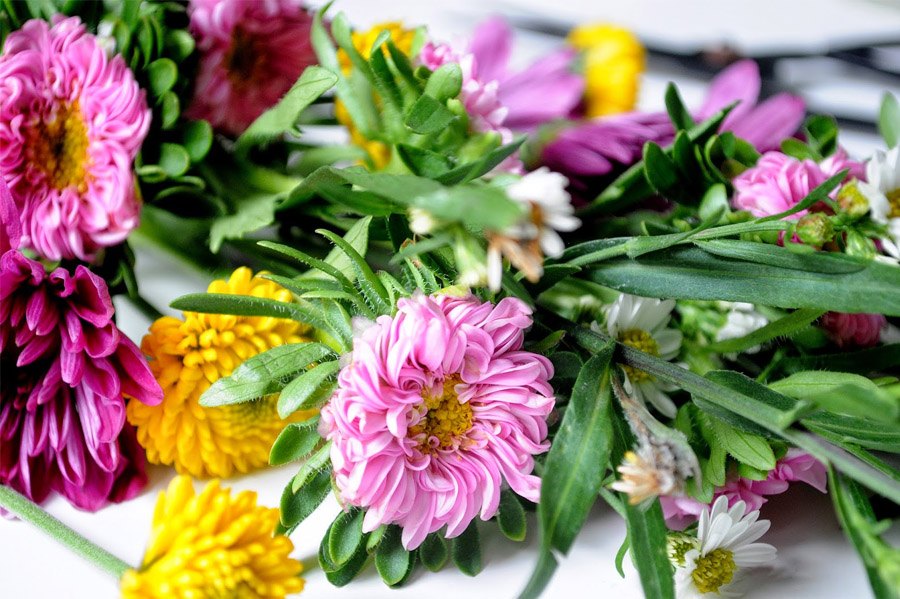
x=815 y=229
x=852 y=201
x=860 y=245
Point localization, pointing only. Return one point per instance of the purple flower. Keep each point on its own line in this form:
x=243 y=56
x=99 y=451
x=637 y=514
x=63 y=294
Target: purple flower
x=66 y=370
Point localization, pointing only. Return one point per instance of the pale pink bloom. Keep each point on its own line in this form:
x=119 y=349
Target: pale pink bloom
x=853 y=330
x=252 y=52
x=796 y=465
x=71 y=122
x=438 y=410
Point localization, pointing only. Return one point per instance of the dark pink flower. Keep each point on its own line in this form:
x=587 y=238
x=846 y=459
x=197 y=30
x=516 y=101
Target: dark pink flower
x=796 y=465
x=66 y=370
x=252 y=52
x=853 y=330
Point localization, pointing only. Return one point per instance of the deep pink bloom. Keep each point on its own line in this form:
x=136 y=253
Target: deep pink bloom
x=778 y=182
x=10 y=227
x=65 y=371
x=71 y=122
x=796 y=465
x=252 y=52
x=437 y=409
x=853 y=330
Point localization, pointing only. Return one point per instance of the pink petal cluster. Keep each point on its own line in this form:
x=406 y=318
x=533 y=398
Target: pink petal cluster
x=796 y=465
x=49 y=73
x=252 y=52
x=65 y=371
x=383 y=457
x=853 y=330
x=778 y=181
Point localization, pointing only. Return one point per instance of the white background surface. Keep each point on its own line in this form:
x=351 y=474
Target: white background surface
x=815 y=560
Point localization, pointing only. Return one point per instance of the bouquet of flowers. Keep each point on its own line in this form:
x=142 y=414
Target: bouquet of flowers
x=450 y=291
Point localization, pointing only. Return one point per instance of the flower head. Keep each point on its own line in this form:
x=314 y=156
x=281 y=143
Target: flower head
x=213 y=545
x=549 y=209
x=882 y=190
x=853 y=330
x=71 y=122
x=251 y=55
x=613 y=62
x=189 y=355
x=439 y=407
x=66 y=370
x=725 y=544
x=642 y=323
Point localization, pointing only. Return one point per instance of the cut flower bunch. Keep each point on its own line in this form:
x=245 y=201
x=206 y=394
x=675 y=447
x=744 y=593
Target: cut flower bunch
x=505 y=296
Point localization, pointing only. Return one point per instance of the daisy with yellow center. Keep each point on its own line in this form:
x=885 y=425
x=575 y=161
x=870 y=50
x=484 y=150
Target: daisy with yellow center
x=882 y=190
x=613 y=62
x=725 y=543
x=189 y=355
x=642 y=323
x=403 y=38
x=214 y=544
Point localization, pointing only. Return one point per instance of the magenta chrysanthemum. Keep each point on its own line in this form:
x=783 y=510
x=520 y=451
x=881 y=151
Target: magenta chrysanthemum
x=65 y=371
x=252 y=52
x=438 y=407
x=71 y=122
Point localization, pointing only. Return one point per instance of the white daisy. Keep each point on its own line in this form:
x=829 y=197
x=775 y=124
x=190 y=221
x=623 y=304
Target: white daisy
x=725 y=544
x=882 y=190
x=741 y=320
x=548 y=210
x=641 y=323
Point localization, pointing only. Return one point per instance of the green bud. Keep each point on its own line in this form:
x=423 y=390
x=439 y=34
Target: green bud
x=860 y=245
x=815 y=229
x=852 y=201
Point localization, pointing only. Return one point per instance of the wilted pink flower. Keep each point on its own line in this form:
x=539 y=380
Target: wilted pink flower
x=796 y=465
x=778 y=182
x=252 y=52
x=853 y=330
x=71 y=122
x=437 y=409
x=65 y=371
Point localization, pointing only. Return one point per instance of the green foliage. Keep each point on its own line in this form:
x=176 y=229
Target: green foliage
x=889 y=120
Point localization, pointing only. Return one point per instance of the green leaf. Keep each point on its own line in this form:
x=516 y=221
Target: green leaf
x=466 y=550
x=281 y=118
x=318 y=461
x=197 y=139
x=511 y=516
x=161 y=74
x=445 y=82
x=783 y=327
x=864 y=432
x=483 y=165
x=170 y=109
x=647 y=532
x=297 y=505
x=369 y=284
x=297 y=440
x=427 y=116
x=179 y=44
x=575 y=466
x=659 y=169
x=254 y=214
x=745 y=447
x=173 y=159
x=305 y=391
x=247 y=305
x=392 y=561
x=357 y=238
x=423 y=162
x=263 y=374
x=678 y=113
x=433 y=552
x=767 y=275
x=818 y=194
x=889 y=120
x=874 y=359
x=345 y=536
x=341 y=574
x=841 y=392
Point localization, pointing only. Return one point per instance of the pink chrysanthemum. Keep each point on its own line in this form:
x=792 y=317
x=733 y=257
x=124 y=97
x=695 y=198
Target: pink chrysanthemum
x=65 y=371
x=853 y=330
x=252 y=52
x=778 y=182
x=437 y=409
x=71 y=122
x=796 y=465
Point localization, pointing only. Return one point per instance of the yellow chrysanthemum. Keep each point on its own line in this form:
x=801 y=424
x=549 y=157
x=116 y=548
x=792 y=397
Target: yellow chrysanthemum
x=186 y=357
x=613 y=62
x=213 y=545
x=363 y=40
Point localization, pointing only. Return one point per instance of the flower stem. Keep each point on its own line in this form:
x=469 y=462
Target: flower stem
x=25 y=509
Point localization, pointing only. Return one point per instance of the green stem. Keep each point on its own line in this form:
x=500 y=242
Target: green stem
x=26 y=510
x=146 y=308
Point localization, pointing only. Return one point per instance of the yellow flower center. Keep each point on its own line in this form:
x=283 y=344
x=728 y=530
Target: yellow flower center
x=641 y=340
x=58 y=146
x=714 y=570
x=893 y=197
x=447 y=418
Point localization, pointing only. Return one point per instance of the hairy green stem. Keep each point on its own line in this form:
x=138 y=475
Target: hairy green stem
x=30 y=512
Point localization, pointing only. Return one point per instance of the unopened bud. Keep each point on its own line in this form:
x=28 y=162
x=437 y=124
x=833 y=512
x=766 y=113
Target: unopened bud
x=815 y=229
x=860 y=245
x=852 y=201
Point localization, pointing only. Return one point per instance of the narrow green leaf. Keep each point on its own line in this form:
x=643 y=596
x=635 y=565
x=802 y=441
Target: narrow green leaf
x=678 y=113
x=819 y=193
x=783 y=327
x=483 y=165
x=297 y=440
x=304 y=391
x=511 y=516
x=659 y=169
x=247 y=305
x=392 y=560
x=647 y=532
x=840 y=392
x=466 y=550
x=889 y=120
x=745 y=447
